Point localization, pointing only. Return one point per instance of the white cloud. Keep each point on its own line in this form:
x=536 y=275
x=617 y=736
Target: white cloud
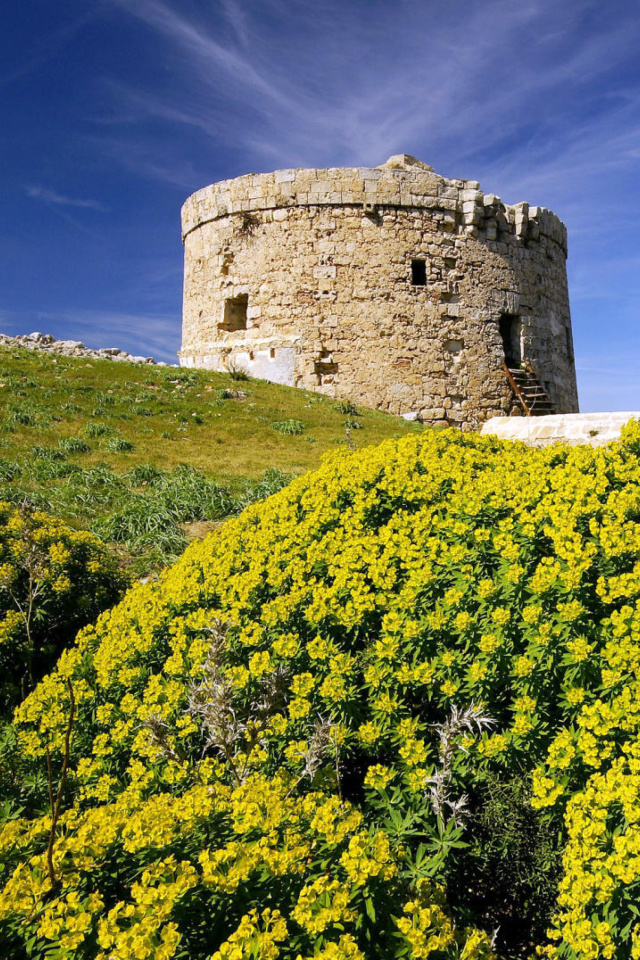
x=607 y=384
x=315 y=84
x=59 y=199
x=157 y=334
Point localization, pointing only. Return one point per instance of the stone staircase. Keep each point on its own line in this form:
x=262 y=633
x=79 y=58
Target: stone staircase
x=529 y=392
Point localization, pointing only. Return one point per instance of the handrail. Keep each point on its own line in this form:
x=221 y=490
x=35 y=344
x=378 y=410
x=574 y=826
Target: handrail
x=517 y=391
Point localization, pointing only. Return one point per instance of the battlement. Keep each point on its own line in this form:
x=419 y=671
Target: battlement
x=402 y=182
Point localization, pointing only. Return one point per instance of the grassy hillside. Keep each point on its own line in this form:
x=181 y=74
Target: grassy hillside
x=144 y=455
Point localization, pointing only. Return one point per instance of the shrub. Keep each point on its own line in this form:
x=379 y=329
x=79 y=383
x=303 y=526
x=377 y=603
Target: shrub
x=291 y=426
x=74 y=445
x=97 y=429
x=105 y=399
x=151 y=520
x=223 y=393
x=51 y=469
x=270 y=483
x=53 y=580
x=144 y=473
x=47 y=453
x=174 y=375
x=118 y=445
x=238 y=373
x=347 y=407
x=9 y=470
x=329 y=712
x=25 y=416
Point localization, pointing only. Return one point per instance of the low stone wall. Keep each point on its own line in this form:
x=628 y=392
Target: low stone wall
x=595 y=429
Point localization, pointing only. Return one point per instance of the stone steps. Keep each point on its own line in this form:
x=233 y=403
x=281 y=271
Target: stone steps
x=529 y=391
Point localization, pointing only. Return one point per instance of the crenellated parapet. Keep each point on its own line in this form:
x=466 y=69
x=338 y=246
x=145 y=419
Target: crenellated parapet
x=412 y=185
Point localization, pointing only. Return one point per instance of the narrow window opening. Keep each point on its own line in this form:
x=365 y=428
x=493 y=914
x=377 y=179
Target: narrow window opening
x=419 y=273
x=510 y=329
x=272 y=353
x=235 y=313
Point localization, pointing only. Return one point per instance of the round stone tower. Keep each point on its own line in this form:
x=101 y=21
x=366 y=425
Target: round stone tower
x=392 y=287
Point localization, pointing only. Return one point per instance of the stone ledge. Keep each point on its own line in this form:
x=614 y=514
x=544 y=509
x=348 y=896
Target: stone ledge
x=595 y=429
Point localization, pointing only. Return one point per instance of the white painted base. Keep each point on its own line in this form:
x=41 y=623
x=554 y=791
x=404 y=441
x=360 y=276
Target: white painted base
x=274 y=363
x=595 y=429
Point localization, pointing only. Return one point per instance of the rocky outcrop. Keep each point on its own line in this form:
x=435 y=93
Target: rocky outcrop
x=72 y=348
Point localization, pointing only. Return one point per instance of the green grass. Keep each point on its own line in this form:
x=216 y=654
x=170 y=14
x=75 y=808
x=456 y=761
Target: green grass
x=148 y=456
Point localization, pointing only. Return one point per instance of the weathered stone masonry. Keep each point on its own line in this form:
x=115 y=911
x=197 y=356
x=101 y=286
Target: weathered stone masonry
x=393 y=287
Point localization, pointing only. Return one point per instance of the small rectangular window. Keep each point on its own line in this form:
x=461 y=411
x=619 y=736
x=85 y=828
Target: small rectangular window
x=419 y=273
x=235 y=313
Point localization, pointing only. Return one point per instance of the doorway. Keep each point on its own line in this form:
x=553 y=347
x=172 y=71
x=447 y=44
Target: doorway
x=510 y=332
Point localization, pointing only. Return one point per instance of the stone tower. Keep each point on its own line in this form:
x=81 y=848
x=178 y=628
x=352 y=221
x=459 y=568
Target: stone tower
x=393 y=287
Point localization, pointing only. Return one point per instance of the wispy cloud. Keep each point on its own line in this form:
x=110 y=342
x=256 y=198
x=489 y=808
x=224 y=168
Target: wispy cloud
x=60 y=199
x=608 y=384
x=314 y=84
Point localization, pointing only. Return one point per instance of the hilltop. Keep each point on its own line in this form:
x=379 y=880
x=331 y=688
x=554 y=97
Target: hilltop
x=135 y=451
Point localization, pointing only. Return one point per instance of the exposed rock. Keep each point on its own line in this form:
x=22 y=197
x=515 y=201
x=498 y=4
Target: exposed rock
x=73 y=348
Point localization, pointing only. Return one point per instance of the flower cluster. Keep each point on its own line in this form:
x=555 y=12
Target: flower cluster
x=257 y=764
x=53 y=580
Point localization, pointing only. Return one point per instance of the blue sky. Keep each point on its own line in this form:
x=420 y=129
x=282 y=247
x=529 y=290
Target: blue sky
x=113 y=111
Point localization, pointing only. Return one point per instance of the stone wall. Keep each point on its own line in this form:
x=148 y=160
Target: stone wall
x=308 y=277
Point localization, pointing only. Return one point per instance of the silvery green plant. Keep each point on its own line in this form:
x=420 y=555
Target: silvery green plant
x=227 y=729
x=320 y=743
x=471 y=720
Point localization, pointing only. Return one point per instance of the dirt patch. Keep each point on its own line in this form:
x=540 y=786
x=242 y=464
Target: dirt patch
x=198 y=529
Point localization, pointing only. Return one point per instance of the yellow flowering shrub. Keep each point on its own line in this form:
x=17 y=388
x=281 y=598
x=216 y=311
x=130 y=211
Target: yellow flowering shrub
x=281 y=748
x=53 y=580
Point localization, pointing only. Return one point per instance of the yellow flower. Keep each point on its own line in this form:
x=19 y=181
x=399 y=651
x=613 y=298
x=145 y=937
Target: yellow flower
x=379 y=777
